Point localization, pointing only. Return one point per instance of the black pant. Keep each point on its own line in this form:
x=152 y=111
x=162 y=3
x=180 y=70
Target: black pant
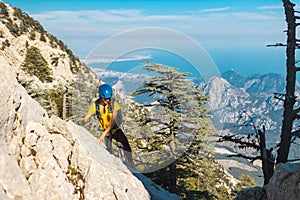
x=120 y=137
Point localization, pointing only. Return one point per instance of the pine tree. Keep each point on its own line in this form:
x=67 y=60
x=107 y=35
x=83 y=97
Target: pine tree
x=35 y=64
x=181 y=115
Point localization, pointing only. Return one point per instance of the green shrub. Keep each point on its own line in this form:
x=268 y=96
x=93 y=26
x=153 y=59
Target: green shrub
x=3 y=10
x=42 y=38
x=35 y=64
x=246 y=181
x=28 y=23
x=13 y=28
x=5 y=44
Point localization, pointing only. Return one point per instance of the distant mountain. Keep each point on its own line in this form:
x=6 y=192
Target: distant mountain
x=268 y=83
x=234 y=78
x=233 y=96
x=240 y=102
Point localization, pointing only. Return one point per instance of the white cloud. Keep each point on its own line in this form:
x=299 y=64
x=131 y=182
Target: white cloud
x=213 y=26
x=251 y=16
x=119 y=15
x=89 y=19
x=271 y=7
x=215 y=9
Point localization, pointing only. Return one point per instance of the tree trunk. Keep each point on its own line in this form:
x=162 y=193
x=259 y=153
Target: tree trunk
x=289 y=101
x=267 y=160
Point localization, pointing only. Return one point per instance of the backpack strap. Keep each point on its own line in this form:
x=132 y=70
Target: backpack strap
x=97 y=103
x=98 y=113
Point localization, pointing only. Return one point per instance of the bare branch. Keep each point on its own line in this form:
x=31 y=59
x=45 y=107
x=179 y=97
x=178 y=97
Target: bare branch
x=239 y=140
x=294 y=160
x=252 y=159
x=279 y=44
x=280 y=99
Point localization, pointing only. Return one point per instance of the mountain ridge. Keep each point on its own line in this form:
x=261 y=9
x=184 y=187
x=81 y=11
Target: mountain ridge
x=256 y=82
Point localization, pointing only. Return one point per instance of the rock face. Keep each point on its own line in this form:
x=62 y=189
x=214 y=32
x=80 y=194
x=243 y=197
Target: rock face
x=48 y=158
x=283 y=185
x=255 y=193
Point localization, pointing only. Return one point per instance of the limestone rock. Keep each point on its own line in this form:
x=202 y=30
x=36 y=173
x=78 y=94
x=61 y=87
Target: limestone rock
x=284 y=184
x=48 y=158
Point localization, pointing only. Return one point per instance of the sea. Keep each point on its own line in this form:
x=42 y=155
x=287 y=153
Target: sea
x=133 y=62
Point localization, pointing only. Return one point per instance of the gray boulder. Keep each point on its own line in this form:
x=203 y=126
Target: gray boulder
x=283 y=185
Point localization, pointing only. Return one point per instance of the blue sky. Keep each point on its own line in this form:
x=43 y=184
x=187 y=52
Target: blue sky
x=234 y=33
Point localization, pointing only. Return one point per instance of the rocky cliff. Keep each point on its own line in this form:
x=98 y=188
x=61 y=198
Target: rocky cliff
x=49 y=158
x=41 y=155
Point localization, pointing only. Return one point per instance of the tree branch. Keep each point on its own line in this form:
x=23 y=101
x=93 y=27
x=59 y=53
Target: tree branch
x=279 y=96
x=280 y=99
x=239 y=140
x=252 y=159
x=279 y=44
x=294 y=160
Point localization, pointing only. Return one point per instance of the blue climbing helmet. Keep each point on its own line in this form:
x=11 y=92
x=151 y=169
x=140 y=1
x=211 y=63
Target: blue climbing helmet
x=105 y=91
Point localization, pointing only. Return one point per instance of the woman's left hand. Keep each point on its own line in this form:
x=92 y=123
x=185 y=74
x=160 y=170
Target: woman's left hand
x=101 y=139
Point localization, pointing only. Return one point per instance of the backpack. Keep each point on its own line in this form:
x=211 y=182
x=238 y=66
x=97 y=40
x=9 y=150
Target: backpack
x=118 y=120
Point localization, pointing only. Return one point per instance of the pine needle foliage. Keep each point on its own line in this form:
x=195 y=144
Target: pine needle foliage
x=181 y=107
x=35 y=64
x=181 y=112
